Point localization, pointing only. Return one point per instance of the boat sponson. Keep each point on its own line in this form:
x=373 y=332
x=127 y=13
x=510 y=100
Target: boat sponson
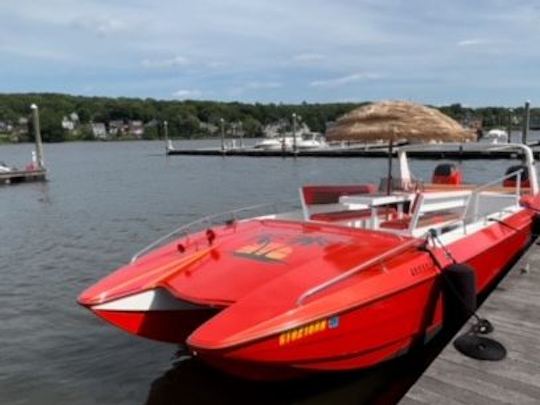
x=242 y=258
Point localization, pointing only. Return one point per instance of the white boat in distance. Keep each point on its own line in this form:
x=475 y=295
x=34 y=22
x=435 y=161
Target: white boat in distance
x=310 y=140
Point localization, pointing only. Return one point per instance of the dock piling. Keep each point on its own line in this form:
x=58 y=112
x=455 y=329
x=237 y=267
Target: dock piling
x=168 y=143
x=222 y=122
x=526 y=122
x=294 y=131
x=37 y=135
x=509 y=129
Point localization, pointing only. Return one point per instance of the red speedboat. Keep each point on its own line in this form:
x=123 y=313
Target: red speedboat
x=351 y=279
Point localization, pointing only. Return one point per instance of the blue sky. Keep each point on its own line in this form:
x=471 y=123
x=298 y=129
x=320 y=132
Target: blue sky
x=477 y=52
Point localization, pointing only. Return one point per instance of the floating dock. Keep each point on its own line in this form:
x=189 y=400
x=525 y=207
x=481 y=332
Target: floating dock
x=23 y=176
x=514 y=310
x=36 y=171
x=446 y=153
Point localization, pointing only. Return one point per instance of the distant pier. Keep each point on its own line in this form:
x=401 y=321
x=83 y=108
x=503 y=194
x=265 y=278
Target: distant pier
x=36 y=170
x=514 y=310
x=460 y=153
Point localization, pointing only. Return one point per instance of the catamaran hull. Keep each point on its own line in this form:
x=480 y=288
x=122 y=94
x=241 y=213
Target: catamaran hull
x=379 y=331
x=155 y=314
x=164 y=326
x=366 y=336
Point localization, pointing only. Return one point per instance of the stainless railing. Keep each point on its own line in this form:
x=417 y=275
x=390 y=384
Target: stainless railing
x=224 y=218
x=474 y=199
x=355 y=270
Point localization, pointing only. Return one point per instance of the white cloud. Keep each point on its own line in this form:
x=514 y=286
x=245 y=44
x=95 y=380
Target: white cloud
x=187 y=94
x=217 y=64
x=472 y=42
x=340 y=81
x=165 y=63
x=101 y=25
x=308 y=57
x=273 y=50
x=263 y=85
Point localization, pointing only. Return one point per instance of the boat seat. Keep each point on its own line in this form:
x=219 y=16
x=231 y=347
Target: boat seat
x=429 y=218
x=324 y=199
x=330 y=194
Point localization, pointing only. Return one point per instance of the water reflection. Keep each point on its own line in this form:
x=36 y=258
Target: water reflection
x=191 y=381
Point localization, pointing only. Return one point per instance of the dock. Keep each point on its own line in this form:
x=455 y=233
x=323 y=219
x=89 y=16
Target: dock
x=514 y=310
x=23 y=176
x=447 y=153
x=35 y=171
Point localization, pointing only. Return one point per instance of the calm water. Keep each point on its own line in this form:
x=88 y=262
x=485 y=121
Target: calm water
x=103 y=202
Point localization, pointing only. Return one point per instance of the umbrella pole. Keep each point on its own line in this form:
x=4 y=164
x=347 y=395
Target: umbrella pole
x=390 y=154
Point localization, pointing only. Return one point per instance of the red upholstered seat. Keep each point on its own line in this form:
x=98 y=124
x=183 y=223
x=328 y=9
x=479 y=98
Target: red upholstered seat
x=330 y=194
x=399 y=223
x=427 y=219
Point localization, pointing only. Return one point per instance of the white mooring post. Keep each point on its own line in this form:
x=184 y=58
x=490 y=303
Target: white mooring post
x=294 y=132
x=37 y=135
x=168 y=143
x=222 y=123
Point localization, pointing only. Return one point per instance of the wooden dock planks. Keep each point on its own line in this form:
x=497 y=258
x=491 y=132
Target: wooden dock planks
x=514 y=309
x=23 y=176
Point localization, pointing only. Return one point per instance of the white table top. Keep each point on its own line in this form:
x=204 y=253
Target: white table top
x=373 y=200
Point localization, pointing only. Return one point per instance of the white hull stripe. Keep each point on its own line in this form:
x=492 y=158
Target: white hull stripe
x=152 y=300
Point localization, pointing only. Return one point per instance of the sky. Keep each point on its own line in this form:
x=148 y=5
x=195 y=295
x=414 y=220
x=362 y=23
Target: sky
x=475 y=52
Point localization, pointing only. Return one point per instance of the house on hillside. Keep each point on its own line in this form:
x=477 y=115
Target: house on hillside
x=6 y=127
x=68 y=124
x=99 y=130
x=117 y=128
x=21 y=126
x=136 y=128
x=209 y=128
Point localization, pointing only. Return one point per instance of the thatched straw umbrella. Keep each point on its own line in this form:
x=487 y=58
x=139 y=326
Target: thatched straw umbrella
x=397 y=120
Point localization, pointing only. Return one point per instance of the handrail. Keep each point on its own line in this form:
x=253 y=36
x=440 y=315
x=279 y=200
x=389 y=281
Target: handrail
x=498 y=180
x=386 y=255
x=204 y=220
x=476 y=191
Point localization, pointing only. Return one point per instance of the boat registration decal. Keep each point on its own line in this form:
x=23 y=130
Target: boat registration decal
x=308 y=330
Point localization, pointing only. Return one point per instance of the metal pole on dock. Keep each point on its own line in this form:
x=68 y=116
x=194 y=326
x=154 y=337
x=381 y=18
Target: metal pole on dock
x=509 y=129
x=294 y=131
x=37 y=136
x=222 y=122
x=526 y=122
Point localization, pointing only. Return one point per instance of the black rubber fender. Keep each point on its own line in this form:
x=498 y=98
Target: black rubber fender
x=459 y=293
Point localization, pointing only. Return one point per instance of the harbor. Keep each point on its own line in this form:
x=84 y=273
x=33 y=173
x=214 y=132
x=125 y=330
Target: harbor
x=269 y=203
x=479 y=146
x=64 y=260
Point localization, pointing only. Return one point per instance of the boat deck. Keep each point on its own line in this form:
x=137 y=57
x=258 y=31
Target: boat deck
x=514 y=309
